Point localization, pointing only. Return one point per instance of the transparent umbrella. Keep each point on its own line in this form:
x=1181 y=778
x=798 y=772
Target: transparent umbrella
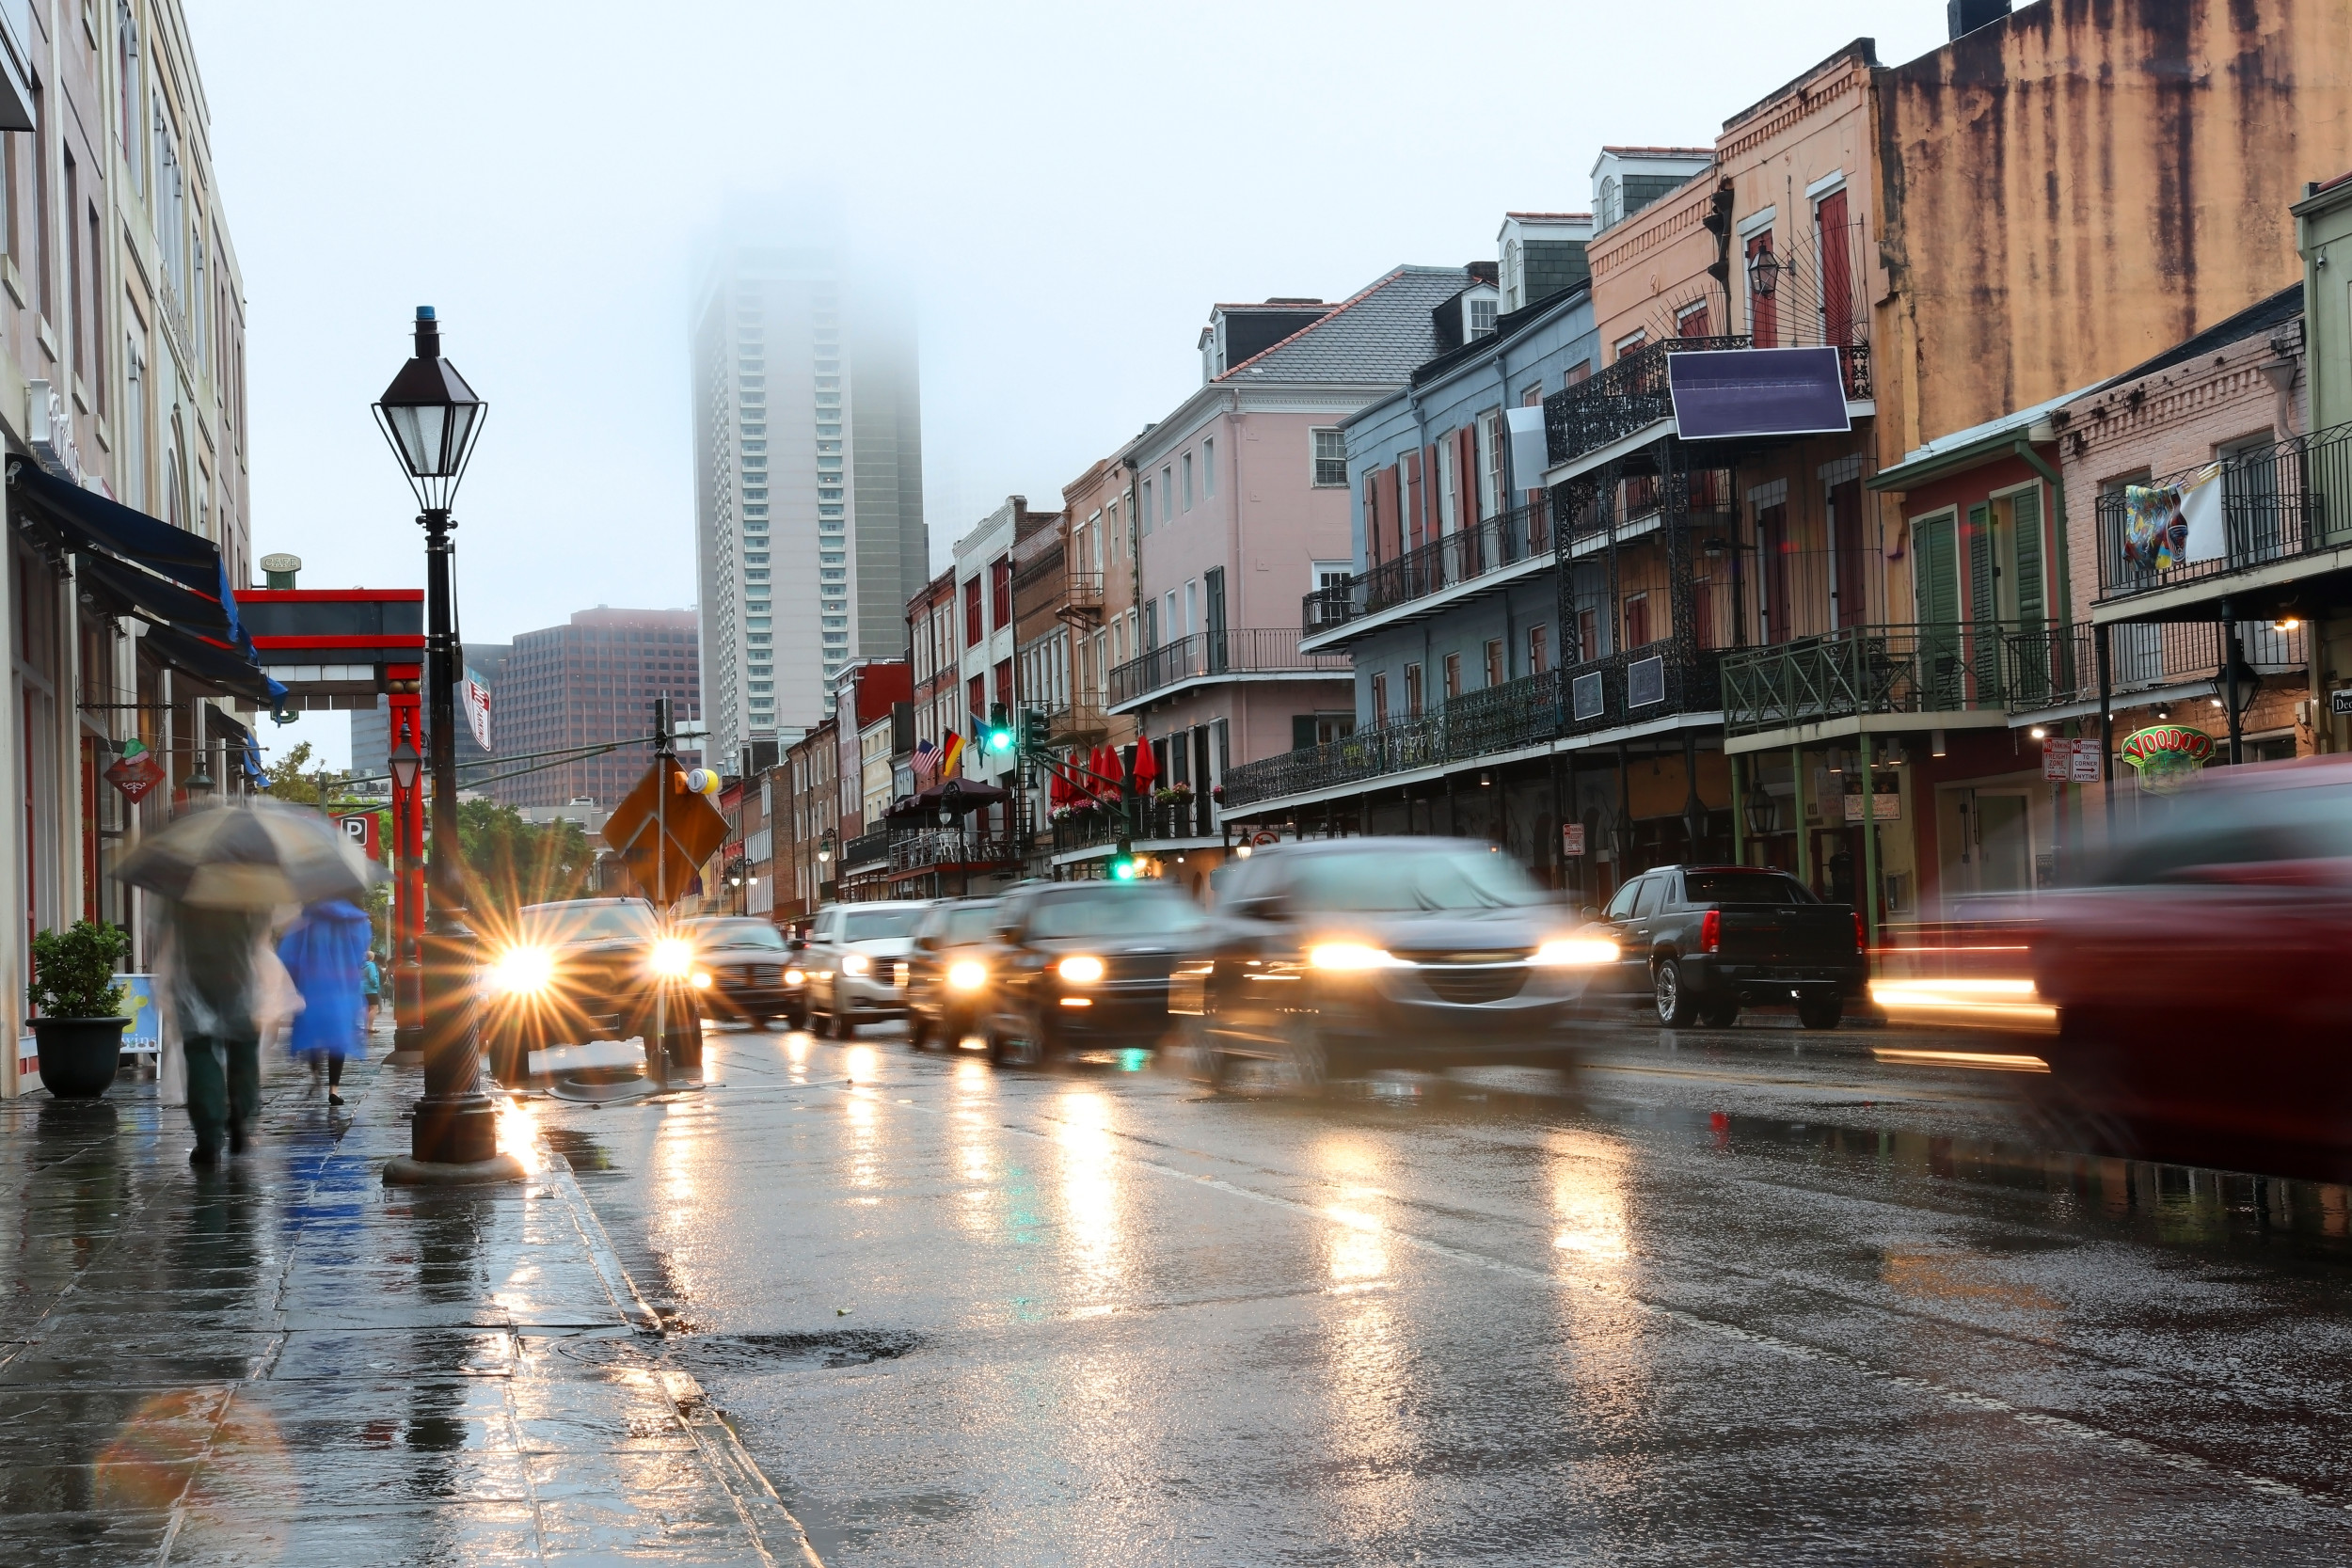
x=248 y=857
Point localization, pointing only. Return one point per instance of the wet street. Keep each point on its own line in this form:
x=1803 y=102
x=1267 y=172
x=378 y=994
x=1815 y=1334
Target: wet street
x=1756 y=1295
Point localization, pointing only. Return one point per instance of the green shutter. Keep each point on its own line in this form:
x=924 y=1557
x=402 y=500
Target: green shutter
x=2031 y=608
x=1935 y=587
x=1983 y=608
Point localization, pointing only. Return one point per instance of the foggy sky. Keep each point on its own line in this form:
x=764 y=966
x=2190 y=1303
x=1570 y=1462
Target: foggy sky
x=1066 y=189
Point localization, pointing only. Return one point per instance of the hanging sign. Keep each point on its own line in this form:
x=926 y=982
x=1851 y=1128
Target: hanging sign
x=2340 y=701
x=135 y=772
x=1886 y=799
x=1571 y=838
x=477 y=702
x=2167 y=755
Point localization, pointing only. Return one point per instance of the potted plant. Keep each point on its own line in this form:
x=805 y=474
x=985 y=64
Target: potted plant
x=1216 y=792
x=73 y=990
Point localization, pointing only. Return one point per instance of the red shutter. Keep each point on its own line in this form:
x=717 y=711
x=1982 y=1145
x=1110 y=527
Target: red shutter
x=1837 y=311
x=1414 y=534
x=1392 y=511
x=1466 y=474
x=1371 y=519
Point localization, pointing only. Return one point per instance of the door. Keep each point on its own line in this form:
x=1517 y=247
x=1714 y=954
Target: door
x=1994 y=844
x=1214 y=586
x=1850 y=554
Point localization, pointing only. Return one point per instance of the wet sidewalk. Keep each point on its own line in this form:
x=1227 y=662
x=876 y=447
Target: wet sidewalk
x=285 y=1360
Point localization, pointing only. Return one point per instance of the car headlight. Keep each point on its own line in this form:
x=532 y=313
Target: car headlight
x=672 y=957
x=796 y=977
x=1575 y=953
x=700 y=980
x=523 y=970
x=1080 y=969
x=967 y=975
x=856 y=964
x=1352 y=955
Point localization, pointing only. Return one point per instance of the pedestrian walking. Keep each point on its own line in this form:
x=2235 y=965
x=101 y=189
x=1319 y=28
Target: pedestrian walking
x=211 y=975
x=326 y=956
x=372 y=988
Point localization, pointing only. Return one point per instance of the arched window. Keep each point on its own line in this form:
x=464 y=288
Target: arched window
x=1609 y=205
x=171 y=489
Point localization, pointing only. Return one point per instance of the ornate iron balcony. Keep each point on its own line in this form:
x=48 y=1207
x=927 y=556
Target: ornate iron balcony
x=1629 y=395
x=1209 y=655
x=1446 y=563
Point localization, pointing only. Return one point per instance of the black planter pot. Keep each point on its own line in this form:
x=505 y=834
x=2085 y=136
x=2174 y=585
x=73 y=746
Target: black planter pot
x=78 y=1055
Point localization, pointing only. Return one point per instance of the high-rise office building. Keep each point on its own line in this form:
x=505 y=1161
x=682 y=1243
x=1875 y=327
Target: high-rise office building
x=590 y=681
x=372 y=728
x=808 y=455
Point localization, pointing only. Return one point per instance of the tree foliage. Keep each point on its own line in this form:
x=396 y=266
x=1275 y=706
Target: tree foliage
x=509 y=861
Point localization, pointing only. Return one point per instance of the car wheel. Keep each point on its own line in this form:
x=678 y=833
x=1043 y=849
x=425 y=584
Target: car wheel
x=840 y=1024
x=1000 y=1045
x=1718 y=1015
x=1308 y=1061
x=1044 y=1038
x=1676 y=1007
x=1817 y=1010
x=1203 y=1062
x=918 y=1032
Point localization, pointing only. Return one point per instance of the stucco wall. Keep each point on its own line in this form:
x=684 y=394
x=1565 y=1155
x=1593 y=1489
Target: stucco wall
x=2073 y=190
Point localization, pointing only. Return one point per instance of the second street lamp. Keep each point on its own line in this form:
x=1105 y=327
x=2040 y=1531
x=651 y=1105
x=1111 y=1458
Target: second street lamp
x=431 y=417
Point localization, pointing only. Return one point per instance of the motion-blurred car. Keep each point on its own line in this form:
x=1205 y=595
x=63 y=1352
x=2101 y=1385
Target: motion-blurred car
x=1334 y=956
x=948 y=971
x=1696 y=943
x=584 y=970
x=2200 y=977
x=1085 y=964
x=746 y=969
x=852 y=963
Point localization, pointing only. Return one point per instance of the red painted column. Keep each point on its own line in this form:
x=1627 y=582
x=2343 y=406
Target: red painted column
x=407 y=723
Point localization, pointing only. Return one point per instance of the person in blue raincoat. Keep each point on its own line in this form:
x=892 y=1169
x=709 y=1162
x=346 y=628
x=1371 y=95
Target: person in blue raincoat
x=326 y=953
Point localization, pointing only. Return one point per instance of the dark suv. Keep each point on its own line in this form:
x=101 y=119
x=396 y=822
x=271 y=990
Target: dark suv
x=1080 y=964
x=584 y=970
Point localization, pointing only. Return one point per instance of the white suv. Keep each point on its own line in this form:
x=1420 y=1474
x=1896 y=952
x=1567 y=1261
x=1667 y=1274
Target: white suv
x=852 y=961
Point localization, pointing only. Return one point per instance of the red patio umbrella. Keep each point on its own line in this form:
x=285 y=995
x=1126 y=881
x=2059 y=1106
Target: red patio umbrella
x=1147 y=766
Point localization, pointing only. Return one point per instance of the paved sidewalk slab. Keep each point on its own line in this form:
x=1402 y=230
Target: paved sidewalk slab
x=283 y=1359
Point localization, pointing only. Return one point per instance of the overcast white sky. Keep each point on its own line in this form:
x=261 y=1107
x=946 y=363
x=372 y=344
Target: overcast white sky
x=1066 y=187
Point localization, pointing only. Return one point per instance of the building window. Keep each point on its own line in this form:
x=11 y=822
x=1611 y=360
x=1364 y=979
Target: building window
x=1167 y=494
x=1146 y=513
x=1000 y=591
x=1187 y=481
x=1497 y=670
x=973 y=631
x=1330 y=455
x=1208 y=469
x=976 y=694
x=1630 y=342
x=1538 y=652
x=1452 y=676
x=1490 y=481
x=1379 y=699
x=1482 y=318
x=1412 y=691
x=1636 y=620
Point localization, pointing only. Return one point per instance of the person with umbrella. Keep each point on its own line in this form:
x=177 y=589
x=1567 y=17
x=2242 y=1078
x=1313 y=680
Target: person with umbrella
x=327 y=954
x=224 y=870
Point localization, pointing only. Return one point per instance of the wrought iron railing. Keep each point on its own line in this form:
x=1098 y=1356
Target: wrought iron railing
x=865 y=849
x=937 y=847
x=1140 y=821
x=2256 y=506
x=1522 y=533
x=2058 y=665
x=1629 y=395
x=1271 y=651
x=1874 y=669
x=1082 y=591
x=1655 y=681
x=1074 y=718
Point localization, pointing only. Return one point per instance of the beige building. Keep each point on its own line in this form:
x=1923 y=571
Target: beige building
x=122 y=371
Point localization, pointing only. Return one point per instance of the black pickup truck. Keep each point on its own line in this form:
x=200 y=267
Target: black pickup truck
x=1699 y=941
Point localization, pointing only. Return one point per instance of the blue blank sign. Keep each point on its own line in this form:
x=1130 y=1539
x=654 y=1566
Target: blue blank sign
x=1723 y=393
x=1645 y=682
x=1584 y=695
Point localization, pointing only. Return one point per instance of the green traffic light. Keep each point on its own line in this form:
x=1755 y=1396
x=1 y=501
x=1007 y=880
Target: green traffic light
x=1122 y=870
x=999 y=739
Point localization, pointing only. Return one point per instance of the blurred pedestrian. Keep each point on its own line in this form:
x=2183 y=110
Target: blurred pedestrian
x=211 y=972
x=326 y=956
x=372 y=987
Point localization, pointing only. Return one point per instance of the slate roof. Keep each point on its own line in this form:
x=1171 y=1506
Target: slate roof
x=1382 y=334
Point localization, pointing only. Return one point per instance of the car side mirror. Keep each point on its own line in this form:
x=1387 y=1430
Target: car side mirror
x=1591 y=911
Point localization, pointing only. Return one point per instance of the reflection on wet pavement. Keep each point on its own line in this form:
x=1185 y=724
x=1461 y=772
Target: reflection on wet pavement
x=284 y=1360
x=1751 y=1298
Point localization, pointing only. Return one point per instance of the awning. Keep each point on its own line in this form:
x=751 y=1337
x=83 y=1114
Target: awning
x=88 y=520
x=955 y=797
x=212 y=663
x=153 y=599
x=1724 y=394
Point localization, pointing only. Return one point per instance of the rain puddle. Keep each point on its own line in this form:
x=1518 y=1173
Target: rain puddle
x=835 y=1348
x=580 y=1151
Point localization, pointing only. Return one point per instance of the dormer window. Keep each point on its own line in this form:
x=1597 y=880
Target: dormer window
x=1609 y=203
x=1482 y=318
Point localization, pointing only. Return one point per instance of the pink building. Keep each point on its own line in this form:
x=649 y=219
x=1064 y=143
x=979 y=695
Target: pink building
x=1240 y=508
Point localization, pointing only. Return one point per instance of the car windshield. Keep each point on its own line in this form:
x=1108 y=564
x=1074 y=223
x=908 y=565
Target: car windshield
x=562 y=923
x=877 y=925
x=971 y=923
x=738 y=933
x=1394 y=881
x=1124 y=913
x=1742 y=887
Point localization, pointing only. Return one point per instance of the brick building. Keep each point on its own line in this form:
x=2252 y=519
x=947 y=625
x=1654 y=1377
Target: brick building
x=592 y=680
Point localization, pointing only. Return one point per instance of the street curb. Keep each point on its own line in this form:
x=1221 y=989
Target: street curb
x=763 y=1512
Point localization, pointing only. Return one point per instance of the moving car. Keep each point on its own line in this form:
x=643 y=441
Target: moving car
x=587 y=969
x=852 y=961
x=2200 y=978
x=1336 y=956
x=1082 y=964
x=1698 y=942
x=747 y=970
x=947 y=972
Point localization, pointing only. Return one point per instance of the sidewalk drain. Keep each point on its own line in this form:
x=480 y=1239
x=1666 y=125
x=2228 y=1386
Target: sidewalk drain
x=744 y=1353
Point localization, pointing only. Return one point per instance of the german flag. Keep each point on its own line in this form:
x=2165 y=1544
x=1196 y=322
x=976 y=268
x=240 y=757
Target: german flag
x=950 y=753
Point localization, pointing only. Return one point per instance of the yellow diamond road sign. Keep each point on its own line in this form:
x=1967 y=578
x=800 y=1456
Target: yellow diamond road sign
x=663 y=832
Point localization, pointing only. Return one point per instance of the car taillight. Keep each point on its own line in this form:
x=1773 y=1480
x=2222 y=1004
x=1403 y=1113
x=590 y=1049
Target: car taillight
x=1860 y=939
x=1711 y=931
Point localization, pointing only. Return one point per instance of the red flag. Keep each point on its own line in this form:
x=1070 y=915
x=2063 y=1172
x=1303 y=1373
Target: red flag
x=1147 y=766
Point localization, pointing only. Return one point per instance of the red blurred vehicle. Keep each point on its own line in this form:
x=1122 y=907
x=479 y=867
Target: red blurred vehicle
x=2203 y=979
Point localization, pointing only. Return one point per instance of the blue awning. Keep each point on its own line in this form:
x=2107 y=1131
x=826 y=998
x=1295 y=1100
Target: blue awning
x=1724 y=394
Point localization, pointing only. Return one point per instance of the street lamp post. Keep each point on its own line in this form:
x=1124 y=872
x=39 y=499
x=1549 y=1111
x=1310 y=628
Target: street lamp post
x=431 y=417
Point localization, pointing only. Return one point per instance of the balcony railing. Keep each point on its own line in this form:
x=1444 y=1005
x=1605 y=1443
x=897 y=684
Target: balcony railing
x=2275 y=502
x=1629 y=395
x=2058 y=666
x=1885 y=668
x=1640 y=683
x=1140 y=821
x=1082 y=599
x=938 y=847
x=1209 y=655
x=1463 y=556
x=1075 y=718
x=865 y=849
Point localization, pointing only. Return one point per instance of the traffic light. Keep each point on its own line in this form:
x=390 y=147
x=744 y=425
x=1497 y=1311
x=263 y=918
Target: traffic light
x=1032 y=730
x=1123 y=869
x=999 y=728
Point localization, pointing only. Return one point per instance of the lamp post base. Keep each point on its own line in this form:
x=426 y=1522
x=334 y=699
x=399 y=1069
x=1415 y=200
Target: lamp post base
x=458 y=1129
x=408 y=1171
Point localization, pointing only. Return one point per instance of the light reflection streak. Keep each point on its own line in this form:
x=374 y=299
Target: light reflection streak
x=518 y=1135
x=1371 y=1366
x=1090 y=1192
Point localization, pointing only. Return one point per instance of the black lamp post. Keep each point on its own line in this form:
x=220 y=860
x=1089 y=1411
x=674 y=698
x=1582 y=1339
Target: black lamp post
x=431 y=417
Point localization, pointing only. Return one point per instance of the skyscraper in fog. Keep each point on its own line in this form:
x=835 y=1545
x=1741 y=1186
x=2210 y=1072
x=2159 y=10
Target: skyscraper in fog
x=808 y=454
